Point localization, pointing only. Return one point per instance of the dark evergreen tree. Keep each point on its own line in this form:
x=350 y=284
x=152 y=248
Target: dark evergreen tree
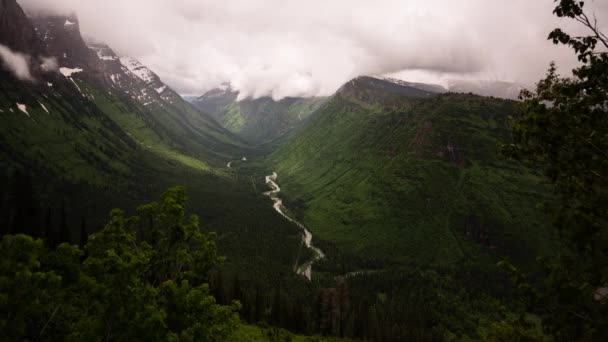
x=64 y=231
x=84 y=234
x=276 y=313
x=259 y=305
x=50 y=235
x=24 y=218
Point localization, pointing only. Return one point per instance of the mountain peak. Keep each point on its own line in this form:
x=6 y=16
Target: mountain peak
x=224 y=89
x=16 y=31
x=361 y=86
x=139 y=70
x=61 y=35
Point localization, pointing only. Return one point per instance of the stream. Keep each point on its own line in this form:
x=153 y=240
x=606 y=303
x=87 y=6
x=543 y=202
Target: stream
x=306 y=268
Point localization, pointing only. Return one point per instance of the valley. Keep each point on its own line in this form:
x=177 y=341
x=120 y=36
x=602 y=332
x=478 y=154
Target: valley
x=304 y=268
x=274 y=209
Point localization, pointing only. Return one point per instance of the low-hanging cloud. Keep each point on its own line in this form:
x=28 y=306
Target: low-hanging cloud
x=303 y=48
x=49 y=64
x=15 y=62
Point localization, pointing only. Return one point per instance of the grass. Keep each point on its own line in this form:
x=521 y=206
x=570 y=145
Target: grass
x=254 y=333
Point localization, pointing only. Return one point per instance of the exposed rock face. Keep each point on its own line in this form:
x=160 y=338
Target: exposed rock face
x=133 y=78
x=16 y=31
x=61 y=35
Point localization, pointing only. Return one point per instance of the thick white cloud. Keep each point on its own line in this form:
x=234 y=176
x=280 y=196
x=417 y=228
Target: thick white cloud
x=15 y=62
x=311 y=47
x=49 y=64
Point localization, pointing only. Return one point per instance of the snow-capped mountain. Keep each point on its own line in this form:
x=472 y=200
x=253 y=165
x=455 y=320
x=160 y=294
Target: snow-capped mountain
x=63 y=41
x=133 y=78
x=99 y=63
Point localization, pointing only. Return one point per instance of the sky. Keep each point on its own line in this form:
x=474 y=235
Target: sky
x=311 y=47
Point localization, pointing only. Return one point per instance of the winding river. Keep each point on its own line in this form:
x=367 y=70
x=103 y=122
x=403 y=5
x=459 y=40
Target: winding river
x=304 y=269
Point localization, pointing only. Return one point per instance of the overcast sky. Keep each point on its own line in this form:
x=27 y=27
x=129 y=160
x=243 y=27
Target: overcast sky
x=311 y=47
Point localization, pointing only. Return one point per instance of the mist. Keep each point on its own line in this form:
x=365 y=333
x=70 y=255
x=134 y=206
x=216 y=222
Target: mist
x=16 y=63
x=307 y=48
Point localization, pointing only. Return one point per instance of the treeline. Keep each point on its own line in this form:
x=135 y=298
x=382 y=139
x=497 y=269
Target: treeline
x=400 y=304
x=56 y=212
x=139 y=279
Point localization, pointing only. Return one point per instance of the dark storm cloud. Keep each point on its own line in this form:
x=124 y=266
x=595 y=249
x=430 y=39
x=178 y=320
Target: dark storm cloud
x=287 y=48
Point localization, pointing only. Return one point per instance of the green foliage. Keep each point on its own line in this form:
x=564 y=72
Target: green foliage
x=127 y=287
x=259 y=120
x=383 y=178
x=562 y=130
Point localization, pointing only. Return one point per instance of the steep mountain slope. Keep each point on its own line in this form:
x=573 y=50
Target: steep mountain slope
x=180 y=125
x=92 y=135
x=256 y=120
x=387 y=173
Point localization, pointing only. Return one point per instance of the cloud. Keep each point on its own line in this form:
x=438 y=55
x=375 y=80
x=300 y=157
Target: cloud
x=16 y=62
x=49 y=64
x=289 y=47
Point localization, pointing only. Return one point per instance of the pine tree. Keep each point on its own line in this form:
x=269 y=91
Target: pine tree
x=49 y=231
x=84 y=234
x=64 y=232
x=259 y=305
x=276 y=314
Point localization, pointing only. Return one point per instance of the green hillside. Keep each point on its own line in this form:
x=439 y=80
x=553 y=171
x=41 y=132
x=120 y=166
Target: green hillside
x=257 y=120
x=384 y=174
x=104 y=144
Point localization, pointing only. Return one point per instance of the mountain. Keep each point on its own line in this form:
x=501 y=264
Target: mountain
x=178 y=123
x=16 y=31
x=500 y=89
x=387 y=173
x=256 y=120
x=401 y=84
x=99 y=132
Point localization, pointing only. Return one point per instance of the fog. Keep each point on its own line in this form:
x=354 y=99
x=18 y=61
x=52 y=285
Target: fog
x=306 y=48
x=16 y=62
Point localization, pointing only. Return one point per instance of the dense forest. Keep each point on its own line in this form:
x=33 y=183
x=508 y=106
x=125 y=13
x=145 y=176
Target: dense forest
x=442 y=216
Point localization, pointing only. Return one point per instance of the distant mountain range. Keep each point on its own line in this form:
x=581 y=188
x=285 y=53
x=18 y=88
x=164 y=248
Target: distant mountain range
x=264 y=119
x=74 y=113
x=257 y=120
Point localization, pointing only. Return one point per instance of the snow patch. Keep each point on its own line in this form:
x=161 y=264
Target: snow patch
x=69 y=23
x=67 y=72
x=23 y=108
x=43 y=107
x=161 y=89
x=104 y=57
x=138 y=69
x=49 y=84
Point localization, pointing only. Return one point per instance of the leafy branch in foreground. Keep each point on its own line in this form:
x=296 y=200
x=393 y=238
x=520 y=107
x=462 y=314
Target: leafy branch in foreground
x=562 y=131
x=135 y=280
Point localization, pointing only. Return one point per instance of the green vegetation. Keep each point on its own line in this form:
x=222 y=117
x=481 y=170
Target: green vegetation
x=405 y=190
x=139 y=279
x=269 y=334
x=562 y=131
x=258 y=120
x=381 y=178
